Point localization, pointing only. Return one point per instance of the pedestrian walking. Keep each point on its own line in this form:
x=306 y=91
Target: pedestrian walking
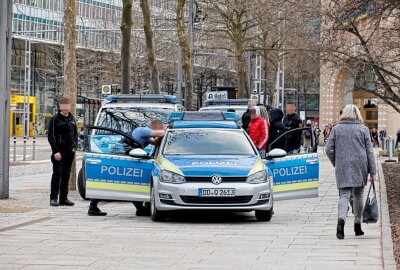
x=292 y=121
x=144 y=136
x=382 y=136
x=374 y=137
x=276 y=129
x=63 y=138
x=258 y=130
x=349 y=149
x=398 y=138
x=246 y=116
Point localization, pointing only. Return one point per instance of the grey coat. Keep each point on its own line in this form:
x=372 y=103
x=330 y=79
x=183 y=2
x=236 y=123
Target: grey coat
x=349 y=148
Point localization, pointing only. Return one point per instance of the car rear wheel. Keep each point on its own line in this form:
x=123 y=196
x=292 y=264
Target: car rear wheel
x=155 y=214
x=82 y=183
x=264 y=215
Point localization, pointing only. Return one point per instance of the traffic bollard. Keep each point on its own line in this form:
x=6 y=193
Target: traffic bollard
x=390 y=149
x=15 y=149
x=24 y=149
x=33 y=148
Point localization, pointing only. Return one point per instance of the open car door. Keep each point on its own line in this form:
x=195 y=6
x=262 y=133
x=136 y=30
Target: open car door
x=296 y=175
x=111 y=173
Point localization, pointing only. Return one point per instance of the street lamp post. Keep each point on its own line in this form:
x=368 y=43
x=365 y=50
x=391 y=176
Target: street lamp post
x=5 y=84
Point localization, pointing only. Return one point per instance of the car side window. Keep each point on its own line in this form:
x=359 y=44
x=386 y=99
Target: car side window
x=103 y=141
x=295 y=142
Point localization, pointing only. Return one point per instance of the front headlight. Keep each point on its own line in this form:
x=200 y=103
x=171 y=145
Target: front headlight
x=257 y=178
x=170 y=177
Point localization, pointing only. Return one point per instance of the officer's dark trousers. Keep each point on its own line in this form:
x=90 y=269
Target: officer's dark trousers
x=61 y=173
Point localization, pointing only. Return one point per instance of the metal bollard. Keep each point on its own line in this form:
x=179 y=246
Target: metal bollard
x=15 y=149
x=33 y=148
x=24 y=149
x=390 y=149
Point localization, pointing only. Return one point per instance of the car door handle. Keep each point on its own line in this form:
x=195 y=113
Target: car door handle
x=312 y=161
x=93 y=161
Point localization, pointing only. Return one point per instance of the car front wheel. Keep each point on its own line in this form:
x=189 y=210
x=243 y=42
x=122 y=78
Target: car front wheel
x=155 y=214
x=264 y=215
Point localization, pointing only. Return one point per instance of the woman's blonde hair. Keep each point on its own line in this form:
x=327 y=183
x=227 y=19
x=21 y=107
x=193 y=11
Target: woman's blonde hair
x=264 y=113
x=351 y=112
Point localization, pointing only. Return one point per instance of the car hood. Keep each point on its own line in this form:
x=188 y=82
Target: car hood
x=209 y=165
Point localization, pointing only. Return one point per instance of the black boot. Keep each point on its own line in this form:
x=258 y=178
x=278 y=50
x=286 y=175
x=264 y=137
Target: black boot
x=357 y=229
x=95 y=211
x=340 y=229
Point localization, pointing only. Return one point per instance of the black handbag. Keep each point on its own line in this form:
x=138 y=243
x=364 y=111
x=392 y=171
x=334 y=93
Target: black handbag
x=371 y=211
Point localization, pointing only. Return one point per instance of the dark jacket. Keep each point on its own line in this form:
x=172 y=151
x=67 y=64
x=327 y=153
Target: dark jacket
x=276 y=129
x=293 y=141
x=246 y=120
x=62 y=133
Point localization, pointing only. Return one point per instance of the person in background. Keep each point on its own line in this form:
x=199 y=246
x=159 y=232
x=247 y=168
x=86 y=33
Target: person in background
x=317 y=133
x=327 y=132
x=350 y=151
x=374 y=137
x=382 y=136
x=258 y=130
x=292 y=121
x=246 y=116
x=144 y=136
x=398 y=138
x=306 y=138
x=276 y=129
x=63 y=138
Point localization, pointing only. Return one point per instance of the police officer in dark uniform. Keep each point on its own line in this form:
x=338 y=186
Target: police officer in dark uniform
x=292 y=121
x=63 y=138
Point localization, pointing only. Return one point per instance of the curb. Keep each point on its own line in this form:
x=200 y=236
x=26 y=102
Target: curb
x=389 y=262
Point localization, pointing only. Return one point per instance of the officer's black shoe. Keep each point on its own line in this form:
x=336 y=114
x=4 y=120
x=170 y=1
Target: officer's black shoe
x=95 y=211
x=67 y=202
x=54 y=203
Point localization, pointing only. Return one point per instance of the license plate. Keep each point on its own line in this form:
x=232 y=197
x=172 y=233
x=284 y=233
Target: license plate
x=216 y=192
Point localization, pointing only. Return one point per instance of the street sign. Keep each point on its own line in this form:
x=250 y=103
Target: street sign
x=217 y=95
x=106 y=89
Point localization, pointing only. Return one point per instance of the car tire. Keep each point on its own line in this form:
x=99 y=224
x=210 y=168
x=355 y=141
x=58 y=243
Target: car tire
x=81 y=183
x=264 y=215
x=155 y=214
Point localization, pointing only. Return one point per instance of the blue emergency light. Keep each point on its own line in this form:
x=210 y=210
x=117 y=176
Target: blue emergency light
x=202 y=116
x=139 y=98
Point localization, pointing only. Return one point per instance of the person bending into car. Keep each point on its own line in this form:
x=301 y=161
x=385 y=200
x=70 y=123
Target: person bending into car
x=144 y=136
x=258 y=130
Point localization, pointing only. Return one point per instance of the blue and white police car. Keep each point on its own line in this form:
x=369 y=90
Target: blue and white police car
x=204 y=162
x=124 y=113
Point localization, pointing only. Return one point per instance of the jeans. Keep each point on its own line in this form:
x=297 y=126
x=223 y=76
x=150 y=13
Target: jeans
x=60 y=177
x=344 y=199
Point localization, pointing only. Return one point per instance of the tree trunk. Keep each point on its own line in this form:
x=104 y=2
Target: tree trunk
x=265 y=58
x=126 y=26
x=69 y=88
x=242 y=76
x=186 y=55
x=151 y=53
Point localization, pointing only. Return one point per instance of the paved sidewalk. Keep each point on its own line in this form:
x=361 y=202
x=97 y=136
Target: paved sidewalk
x=301 y=234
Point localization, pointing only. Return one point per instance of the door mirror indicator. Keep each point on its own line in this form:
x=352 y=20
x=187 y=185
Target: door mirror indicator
x=138 y=153
x=276 y=153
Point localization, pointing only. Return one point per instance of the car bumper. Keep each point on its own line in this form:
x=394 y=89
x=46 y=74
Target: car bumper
x=248 y=197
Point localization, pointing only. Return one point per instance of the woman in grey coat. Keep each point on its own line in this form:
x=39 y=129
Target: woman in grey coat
x=349 y=148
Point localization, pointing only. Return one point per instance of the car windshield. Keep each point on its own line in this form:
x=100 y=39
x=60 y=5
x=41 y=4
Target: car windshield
x=207 y=142
x=127 y=119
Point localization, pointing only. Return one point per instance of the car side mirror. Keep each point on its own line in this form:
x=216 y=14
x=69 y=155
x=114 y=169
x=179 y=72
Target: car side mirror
x=138 y=153
x=276 y=153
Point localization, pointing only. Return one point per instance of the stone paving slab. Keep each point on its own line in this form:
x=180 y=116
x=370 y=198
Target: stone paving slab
x=301 y=234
